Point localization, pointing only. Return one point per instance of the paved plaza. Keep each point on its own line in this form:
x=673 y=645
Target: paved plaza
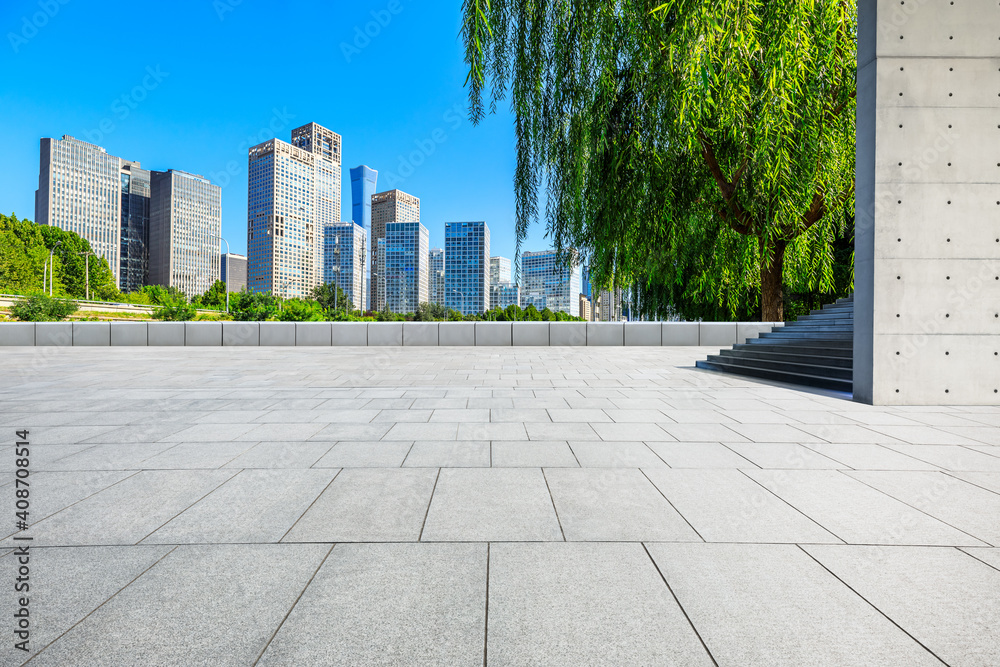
x=498 y=506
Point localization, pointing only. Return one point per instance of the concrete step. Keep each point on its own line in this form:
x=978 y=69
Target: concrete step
x=815 y=335
x=817 y=349
x=837 y=372
x=805 y=379
x=843 y=343
x=777 y=356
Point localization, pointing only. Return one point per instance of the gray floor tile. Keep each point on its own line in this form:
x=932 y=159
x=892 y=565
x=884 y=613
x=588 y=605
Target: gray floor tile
x=951 y=457
x=606 y=504
x=491 y=504
x=161 y=618
x=568 y=431
x=543 y=598
x=50 y=492
x=702 y=433
x=365 y=455
x=282 y=455
x=946 y=600
x=626 y=432
x=454 y=416
x=369 y=505
x=208 y=433
x=130 y=510
x=492 y=431
x=726 y=506
x=615 y=455
x=389 y=604
x=855 y=513
x=987 y=480
x=783 y=455
x=774 y=605
x=448 y=454
x=869 y=456
x=68 y=435
x=699 y=455
x=414 y=432
x=280 y=432
x=533 y=454
x=353 y=432
x=255 y=506
x=193 y=455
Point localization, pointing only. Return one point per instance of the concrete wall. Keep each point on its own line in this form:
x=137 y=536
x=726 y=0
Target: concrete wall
x=927 y=254
x=337 y=334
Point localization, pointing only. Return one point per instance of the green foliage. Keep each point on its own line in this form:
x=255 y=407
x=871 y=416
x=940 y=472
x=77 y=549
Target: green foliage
x=701 y=152
x=253 y=306
x=40 y=307
x=174 y=309
x=531 y=314
x=24 y=252
x=430 y=312
x=214 y=297
x=330 y=297
x=299 y=310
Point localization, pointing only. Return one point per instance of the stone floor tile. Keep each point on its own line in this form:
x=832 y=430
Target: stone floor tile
x=365 y=455
x=454 y=416
x=567 y=431
x=533 y=454
x=951 y=457
x=783 y=455
x=207 y=433
x=868 y=456
x=414 y=432
x=702 y=432
x=625 y=432
x=352 y=432
x=699 y=455
x=280 y=432
x=448 y=454
x=592 y=454
x=282 y=455
x=194 y=455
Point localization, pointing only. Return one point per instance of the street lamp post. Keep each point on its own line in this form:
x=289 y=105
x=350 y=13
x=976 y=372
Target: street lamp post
x=51 y=267
x=461 y=294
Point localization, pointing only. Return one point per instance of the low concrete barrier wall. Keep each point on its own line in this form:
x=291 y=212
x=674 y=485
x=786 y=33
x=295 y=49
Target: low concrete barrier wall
x=392 y=334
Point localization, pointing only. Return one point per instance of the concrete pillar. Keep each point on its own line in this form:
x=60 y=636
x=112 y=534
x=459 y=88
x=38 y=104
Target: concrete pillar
x=927 y=238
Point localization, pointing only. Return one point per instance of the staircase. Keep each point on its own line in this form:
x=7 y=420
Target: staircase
x=816 y=350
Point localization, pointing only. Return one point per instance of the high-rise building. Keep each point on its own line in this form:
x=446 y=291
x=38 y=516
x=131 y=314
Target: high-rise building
x=585 y=288
x=499 y=270
x=387 y=207
x=134 y=250
x=549 y=283
x=406 y=260
x=467 y=266
x=609 y=305
x=435 y=286
x=79 y=190
x=185 y=227
x=363 y=187
x=233 y=270
x=586 y=313
x=294 y=193
x=504 y=294
x=344 y=259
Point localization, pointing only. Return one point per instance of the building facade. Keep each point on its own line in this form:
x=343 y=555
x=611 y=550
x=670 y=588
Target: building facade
x=386 y=208
x=609 y=305
x=344 y=259
x=435 y=287
x=586 y=311
x=185 y=228
x=233 y=272
x=134 y=250
x=406 y=266
x=364 y=181
x=79 y=190
x=504 y=294
x=500 y=270
x=293 y=194
x=467 y=267
x=549 y=283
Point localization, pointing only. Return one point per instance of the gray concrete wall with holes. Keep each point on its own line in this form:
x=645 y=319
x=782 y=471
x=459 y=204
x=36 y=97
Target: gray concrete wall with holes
x=927 y=238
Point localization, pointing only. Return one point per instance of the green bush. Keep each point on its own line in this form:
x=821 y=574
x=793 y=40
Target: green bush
x=40 y=307
x=253 y=306
x=297 y=310
x=175 y=309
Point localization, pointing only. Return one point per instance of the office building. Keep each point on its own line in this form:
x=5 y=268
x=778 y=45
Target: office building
x=435 y=286
x=505 y=294
x=609 y=305
x=586 y=312
x=363 y=187
x=133 y=254
x=185 y=227
x=388 y=207
x=585 y=288
x=467 y=266
x=499 y=270
x=344 y=259
x=79 y=190
x=233 y=269
x=406 y=265
x=293 y=195
x=547 y=282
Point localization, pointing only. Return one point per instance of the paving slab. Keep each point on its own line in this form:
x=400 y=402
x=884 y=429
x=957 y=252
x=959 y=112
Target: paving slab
x=615 y=455
x=533 y=454
x=369 y=505
x=389 y=604
x=784 y=455
x=253 y=507
x=774 y=605
x=491 y=504
x=944 y=599
x=161 y=618
x=726 y=506
x=608 y=504
x=868 y=456
x=856 y=513
x=543 y=598
x=365 y=455
x=699 y=455
x=448 y=454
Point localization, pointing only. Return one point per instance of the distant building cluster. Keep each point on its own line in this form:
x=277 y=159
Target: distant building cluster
x=164 y=228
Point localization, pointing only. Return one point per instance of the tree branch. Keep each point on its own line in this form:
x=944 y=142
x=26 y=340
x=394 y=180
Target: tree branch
x=739 y=220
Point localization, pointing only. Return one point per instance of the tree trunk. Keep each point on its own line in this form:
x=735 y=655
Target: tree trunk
x=771 y=297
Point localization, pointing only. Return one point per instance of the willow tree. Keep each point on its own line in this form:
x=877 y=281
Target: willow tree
x=705 y=145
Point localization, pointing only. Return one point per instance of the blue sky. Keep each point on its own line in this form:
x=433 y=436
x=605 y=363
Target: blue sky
x=190 y=84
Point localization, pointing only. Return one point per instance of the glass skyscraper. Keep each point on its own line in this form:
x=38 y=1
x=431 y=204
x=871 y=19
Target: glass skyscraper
x=344 y=259
x=363 y=184
x=547 y=283
x=406 y=245
x=387 y=207
x=435 y=287
x=134 y=262
x=467 y=266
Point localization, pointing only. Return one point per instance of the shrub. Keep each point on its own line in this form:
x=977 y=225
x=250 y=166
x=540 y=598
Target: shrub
x=252 y=306
x=40 y=307
x=297 y=310
x=175 y=309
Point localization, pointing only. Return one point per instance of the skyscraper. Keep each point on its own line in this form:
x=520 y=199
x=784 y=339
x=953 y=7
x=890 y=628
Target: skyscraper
x=435 y=285
x=363 y=184
x=406 y=267
x=387 y=207
x=467 y=266
x=233 y=270
x=134 y=250
x=345 y=257
x=548 y=283
x=502 y=292
x=79 y=190
x=294 y=193
x=499 y=270
x=185 y=224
